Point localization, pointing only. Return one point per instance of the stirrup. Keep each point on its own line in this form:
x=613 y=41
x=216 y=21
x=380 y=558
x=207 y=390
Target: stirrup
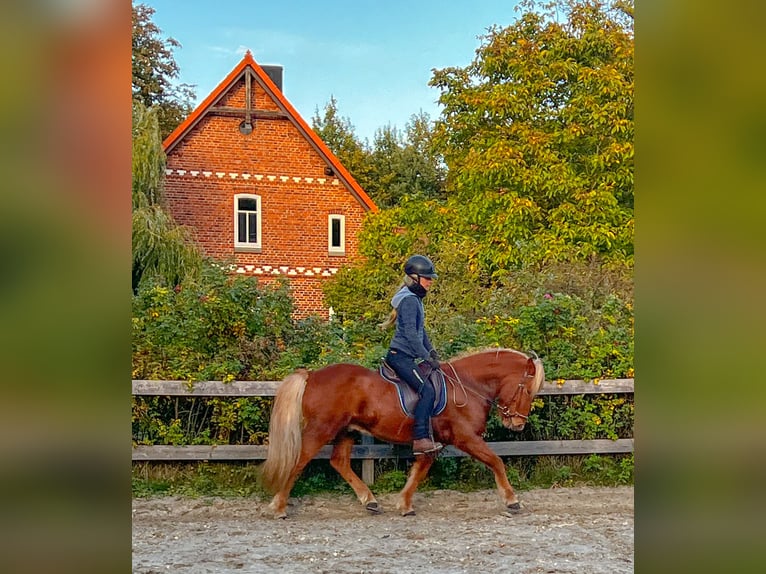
x=435 y=447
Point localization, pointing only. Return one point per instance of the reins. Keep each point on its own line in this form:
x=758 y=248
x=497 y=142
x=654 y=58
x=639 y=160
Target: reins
x=504 y=410
x=454 y=388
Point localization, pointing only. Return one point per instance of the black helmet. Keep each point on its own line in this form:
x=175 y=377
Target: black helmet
x=420 y=265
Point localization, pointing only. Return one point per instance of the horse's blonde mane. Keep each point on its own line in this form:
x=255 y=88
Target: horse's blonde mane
x=539 y=378
x=471 y=352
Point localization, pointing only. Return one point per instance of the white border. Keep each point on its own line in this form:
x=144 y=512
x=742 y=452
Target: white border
x=332 y=250
x=247 y=245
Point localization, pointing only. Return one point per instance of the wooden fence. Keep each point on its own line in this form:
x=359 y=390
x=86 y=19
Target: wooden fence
x=367 y=451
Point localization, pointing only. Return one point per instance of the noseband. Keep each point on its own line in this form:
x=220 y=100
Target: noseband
x=506 y=412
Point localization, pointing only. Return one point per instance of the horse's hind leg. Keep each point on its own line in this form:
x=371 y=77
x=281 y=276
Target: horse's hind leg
x=309 y=447
x=418 y=471
x=341 y=461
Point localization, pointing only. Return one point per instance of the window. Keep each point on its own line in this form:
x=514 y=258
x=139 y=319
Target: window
x=247 y=221
x=336 y=234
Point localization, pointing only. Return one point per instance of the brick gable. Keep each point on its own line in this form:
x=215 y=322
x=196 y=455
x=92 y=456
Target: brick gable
x=209 y=161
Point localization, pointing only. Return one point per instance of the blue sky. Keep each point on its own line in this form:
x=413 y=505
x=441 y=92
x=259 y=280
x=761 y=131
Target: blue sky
x=374 y=56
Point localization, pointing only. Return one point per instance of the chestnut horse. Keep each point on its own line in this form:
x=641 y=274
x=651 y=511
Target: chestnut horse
x=314 y=408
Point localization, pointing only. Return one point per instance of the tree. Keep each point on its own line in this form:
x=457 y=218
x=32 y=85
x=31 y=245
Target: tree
x=396 y=166
x=538 y=135
x=337 y=133
x=162 y=250
x=407 y=165
x=421 y=153
x=154 y=72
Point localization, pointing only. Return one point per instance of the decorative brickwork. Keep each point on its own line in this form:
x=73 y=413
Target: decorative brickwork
x=210 y=160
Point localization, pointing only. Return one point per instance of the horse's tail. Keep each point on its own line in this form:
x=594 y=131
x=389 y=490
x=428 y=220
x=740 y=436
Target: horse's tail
x=539 y=379
x=285 y=429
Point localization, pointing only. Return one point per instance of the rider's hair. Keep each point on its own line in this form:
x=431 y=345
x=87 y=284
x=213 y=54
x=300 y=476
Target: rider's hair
x=408 y=281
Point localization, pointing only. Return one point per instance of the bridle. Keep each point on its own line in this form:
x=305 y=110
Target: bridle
x=506 y=412
x=503 y=409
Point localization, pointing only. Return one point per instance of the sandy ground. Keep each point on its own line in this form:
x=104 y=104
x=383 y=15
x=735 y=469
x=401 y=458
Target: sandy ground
x=583 y=530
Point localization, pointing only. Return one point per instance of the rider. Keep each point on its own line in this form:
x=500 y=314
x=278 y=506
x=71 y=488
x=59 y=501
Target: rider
x=410 y=343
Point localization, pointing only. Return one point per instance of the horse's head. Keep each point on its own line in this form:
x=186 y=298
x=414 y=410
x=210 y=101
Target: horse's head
x=517 y=392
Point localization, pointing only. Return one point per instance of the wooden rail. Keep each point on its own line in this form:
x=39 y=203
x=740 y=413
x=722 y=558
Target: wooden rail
x=367 y=451
x=374 y=451
x=269 y=388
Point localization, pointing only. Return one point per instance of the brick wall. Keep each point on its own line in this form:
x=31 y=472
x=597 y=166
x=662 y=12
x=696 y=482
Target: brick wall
x=214 y=161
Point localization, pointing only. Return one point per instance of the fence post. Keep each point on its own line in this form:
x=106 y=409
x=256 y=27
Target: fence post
x=368 y=464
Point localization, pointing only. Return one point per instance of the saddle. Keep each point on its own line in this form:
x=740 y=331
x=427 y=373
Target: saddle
x=408 y=398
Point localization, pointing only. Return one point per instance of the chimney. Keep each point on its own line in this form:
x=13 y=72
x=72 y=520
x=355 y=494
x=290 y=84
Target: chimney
x=275 y=74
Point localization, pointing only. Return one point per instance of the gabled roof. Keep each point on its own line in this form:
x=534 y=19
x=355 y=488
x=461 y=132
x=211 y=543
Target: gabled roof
x=266 y=83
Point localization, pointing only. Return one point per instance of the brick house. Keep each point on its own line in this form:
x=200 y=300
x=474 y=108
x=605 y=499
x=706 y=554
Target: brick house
x=260 y=189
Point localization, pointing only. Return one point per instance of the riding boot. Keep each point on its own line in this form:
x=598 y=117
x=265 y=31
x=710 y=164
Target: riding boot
x=425 y=446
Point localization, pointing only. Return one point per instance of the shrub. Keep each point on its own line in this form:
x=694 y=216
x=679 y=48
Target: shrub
x=218 y=327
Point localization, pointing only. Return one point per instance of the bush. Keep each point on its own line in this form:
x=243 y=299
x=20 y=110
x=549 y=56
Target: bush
x=218 y=327
x=586 y=333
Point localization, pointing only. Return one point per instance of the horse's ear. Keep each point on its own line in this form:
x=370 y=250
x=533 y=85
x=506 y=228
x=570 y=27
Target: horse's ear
x=530 y=370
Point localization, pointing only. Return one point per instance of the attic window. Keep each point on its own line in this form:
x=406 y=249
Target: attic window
x=245 y=128
x=247 y=222
x=336 y=234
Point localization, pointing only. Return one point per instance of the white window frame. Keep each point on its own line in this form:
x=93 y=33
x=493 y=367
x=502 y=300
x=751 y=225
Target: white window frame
x=340 y=249
x=247 y=245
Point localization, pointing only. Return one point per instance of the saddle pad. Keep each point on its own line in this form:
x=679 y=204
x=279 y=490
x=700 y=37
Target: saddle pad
x=408 y=398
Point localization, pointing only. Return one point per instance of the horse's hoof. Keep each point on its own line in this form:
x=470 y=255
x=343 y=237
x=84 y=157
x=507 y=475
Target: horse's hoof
x=409 y=513
x=373 y=508
x=514 y=508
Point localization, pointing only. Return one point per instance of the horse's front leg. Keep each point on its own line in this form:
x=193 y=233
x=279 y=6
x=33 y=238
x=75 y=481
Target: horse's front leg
x=418 y=471
x=341 y=461
x=478 y=449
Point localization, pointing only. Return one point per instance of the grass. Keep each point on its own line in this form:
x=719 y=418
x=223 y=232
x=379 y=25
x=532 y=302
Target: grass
x=196 y=479
x=240 y=479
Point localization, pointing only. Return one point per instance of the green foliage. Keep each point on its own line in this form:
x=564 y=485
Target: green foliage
x=196 y=479
x=148 y=165
x=395 y=166
x=459 y=474
x=391 y=481
x=227 y=327
x=317 y=343
x=573 y=342
x=337 y=133
x=179 y=421
x=604 y=470
x=318 y=477
x=455 y=334
x=581 y=417
x=385 y=242
x=537 y=133
x=406 y=165
x=162 y=250
x=464 y=475
x=154 y=70
x=218 y=326
x=577 y=316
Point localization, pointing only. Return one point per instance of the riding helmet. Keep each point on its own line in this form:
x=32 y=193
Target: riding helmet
x=420 y=265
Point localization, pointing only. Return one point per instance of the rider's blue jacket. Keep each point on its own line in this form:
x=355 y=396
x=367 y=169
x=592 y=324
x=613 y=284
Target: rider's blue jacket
x=410 y=337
